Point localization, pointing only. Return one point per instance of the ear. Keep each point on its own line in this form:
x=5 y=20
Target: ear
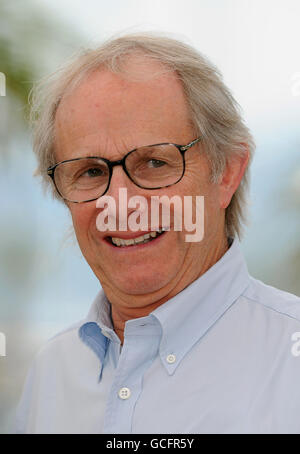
x=231 y=177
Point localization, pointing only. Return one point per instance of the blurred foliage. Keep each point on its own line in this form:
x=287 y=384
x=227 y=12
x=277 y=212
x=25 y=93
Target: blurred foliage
x=32 y=43
x=17 y=73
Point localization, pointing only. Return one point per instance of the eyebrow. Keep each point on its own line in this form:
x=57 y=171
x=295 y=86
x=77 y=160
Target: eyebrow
x=94 y=152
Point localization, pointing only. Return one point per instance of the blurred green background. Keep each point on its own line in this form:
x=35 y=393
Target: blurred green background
x=45 y=284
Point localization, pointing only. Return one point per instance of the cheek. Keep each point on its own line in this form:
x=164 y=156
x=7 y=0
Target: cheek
x=82 y=217
x=200 y=185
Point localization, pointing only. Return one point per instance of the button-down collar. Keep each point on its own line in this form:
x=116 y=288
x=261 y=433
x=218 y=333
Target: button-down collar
x=189 y=315
x=183 y=319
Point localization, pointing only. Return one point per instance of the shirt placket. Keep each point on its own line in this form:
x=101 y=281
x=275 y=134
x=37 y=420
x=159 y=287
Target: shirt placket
x=141 y=343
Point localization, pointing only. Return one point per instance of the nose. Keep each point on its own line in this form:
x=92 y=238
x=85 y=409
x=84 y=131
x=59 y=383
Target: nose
x=124 y=197
x=119 y=179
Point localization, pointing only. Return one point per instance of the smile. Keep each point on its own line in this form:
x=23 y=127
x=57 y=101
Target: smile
x=143 y=239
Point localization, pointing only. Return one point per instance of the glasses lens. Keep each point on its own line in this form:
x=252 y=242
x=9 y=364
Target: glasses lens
x=82 y=180
x=155 y=166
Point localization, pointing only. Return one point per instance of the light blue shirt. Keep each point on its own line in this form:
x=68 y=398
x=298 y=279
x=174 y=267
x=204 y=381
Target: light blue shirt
x=220 y=357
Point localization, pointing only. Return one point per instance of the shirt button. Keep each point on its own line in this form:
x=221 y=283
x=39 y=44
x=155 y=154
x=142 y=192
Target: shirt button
x=124 y=393
x=171 y=359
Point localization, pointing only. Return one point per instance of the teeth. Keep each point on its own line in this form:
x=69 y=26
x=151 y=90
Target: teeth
x=140 y=239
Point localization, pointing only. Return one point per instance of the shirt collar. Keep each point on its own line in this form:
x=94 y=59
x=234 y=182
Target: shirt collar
x=97 y=328
x=185 y=318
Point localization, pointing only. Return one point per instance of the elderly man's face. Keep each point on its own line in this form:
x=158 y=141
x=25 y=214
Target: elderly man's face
x=107 y=116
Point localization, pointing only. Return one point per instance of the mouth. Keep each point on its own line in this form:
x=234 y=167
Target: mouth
x=138 y=241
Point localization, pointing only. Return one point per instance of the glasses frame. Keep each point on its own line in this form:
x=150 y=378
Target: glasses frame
x=122 y=162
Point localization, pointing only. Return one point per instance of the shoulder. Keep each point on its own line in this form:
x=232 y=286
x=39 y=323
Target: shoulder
x=68 y=340
x=273 y=300
x=65 y=343
x=63 y=359
x=60 y=359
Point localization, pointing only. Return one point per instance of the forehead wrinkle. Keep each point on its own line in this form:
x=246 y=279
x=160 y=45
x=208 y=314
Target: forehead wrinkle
x=103 y=105
x=115 y=90
x=111 y=149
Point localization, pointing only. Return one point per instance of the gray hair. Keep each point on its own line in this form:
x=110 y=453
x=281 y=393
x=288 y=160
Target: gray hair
x=214 y=112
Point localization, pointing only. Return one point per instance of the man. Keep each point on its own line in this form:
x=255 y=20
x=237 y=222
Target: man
x=180 y=339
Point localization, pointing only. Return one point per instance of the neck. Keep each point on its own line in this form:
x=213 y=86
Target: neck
x=126 y=307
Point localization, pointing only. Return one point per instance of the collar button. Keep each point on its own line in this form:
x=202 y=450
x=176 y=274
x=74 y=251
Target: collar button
x=171 y=359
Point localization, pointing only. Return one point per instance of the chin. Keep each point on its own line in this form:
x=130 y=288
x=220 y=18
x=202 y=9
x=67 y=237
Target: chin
x=139 y=283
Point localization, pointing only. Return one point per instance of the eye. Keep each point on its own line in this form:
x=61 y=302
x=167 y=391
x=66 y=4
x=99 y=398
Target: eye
x=155 y=163
x=93 y=172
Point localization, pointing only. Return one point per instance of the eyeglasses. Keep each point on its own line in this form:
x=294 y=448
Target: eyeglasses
x=156 y=166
